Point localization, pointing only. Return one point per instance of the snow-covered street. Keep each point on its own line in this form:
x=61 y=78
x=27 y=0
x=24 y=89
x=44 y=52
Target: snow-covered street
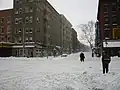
x=59 y=73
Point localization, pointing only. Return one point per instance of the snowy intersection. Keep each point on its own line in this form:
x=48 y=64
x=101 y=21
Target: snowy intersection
x=59 y=73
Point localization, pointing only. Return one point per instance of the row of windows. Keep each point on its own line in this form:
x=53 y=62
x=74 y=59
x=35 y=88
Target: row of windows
x=8 y=38
x=113 y=20
x=2 y=19
x=27 y=30
x=26 y=10
x=18 y=30
x=28 y=19
x=27 y=39
x=108 y=25
x=114 y=7
x=21 y=1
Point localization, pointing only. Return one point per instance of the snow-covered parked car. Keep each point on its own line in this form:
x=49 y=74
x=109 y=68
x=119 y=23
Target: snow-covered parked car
x=64 y=55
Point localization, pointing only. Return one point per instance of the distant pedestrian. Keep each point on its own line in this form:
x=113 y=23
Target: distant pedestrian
x=54 y=52
x=82 y=57
x=105 y=62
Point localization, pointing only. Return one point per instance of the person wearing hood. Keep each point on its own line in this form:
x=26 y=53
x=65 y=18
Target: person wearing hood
x=82 y=57
x=105 y=61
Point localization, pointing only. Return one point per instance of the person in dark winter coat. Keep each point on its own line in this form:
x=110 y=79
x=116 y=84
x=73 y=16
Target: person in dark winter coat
x=105 y=62
x=82 y=57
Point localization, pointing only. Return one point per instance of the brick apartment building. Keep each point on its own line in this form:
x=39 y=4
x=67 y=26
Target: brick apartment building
x=74 y=40
x=6 y=32
x=36 y=27
x=33 y=28
x=108 y=17
x=66 y=34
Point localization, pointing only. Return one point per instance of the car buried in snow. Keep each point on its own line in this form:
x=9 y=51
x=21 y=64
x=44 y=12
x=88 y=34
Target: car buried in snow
x=64 y=55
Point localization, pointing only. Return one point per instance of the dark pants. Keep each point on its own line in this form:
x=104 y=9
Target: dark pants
x=82 y=59
x=105 y=68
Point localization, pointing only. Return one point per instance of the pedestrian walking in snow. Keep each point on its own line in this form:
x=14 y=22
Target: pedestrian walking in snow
x=105 y=62
x=82 y=57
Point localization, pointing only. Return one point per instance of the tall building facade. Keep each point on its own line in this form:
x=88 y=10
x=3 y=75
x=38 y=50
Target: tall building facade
x=74 y=40
x=6 y=32
x=66 y=34
x=108 y=17
x=33 y=28
x=36 y=28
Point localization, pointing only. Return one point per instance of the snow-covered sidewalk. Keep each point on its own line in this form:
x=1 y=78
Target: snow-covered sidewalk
x=59 y=73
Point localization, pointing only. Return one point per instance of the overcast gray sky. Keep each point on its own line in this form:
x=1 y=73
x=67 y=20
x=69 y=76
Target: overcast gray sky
x=76 y=11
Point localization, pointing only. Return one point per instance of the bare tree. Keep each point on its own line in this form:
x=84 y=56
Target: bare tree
x=88 y=32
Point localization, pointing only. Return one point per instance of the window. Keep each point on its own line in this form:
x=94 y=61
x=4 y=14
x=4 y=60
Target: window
x=20 y=39
x=16 y=20
x=106 y=19
x=26 y=30
x=105 y=15
x=114 y=19
x=8 y=38
x=30 y=19
x=20 y=10
x=20 y=20
x=38 y=10
x=16 y=12
x=38 y=30
x=113 y=15
x=21 y=52
x=2 y=20
x=26 y=39
x=26 y=9
x=31 y=9
x=38 y=20
x=8 y=28
x=18 y=1
x=107 y=34
x=106 y=24
x=114 y=24
x=9 y=19
x=15 y=40
x=31 y=30
x=107 y=28
x=2 y=29
x=105 y=8
x=26 y=19
x=31 y=39
x=20 y=30
x=114 y=8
